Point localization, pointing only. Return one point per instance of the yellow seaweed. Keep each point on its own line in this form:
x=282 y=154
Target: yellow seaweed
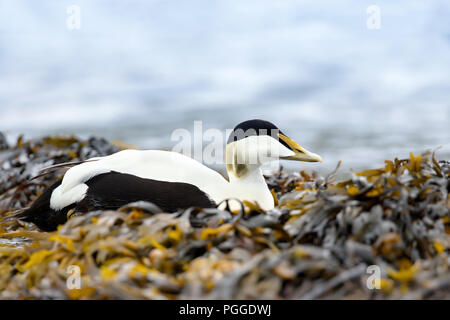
x=63 y=239
x=37 y=258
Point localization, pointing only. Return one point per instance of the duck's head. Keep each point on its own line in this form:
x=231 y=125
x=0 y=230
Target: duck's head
x=255 y=142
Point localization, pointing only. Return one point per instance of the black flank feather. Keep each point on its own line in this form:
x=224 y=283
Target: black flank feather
x=110 y=191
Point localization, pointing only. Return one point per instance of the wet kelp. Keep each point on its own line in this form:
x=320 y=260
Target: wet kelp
x=324 y=239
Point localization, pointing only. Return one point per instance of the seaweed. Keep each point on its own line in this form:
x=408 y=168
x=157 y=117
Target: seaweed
x=316 y=244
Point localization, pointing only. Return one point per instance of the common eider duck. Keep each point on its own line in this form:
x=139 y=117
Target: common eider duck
x=168 y=179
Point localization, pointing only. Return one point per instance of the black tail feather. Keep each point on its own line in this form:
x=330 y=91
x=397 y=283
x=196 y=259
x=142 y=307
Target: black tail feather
x=41 y=214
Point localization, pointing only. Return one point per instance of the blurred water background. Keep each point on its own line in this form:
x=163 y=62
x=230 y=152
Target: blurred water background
x=137 y=70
